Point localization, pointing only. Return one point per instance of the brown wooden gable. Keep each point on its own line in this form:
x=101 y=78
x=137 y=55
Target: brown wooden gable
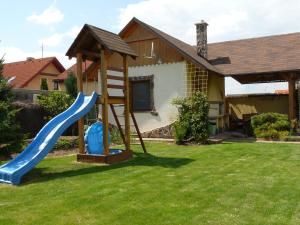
x=137 y=33
x=140 y=40
x=186 y=51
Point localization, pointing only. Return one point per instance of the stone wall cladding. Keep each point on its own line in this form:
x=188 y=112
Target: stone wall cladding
x=162 y=132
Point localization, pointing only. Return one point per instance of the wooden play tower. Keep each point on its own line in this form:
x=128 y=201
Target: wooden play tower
x=99 y=46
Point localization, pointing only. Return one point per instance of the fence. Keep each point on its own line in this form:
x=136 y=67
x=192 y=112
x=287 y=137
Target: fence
x=24 y=95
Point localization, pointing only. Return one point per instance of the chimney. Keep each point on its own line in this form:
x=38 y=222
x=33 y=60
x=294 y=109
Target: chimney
x=29 y=58
x=201 y=31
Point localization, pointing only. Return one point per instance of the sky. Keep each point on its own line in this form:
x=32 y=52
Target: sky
x=29 y=25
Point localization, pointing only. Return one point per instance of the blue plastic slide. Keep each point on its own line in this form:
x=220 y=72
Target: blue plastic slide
x=44 y=141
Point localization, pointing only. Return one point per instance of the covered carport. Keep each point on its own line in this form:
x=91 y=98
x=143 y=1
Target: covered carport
x=261 y=60
x=289 y=76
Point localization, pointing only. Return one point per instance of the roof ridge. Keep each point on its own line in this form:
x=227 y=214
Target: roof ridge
x=254 y=38
x=24 y=61
x=89 y=25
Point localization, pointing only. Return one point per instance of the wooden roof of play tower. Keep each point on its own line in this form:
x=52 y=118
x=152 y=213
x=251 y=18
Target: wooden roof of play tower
x=90 y=38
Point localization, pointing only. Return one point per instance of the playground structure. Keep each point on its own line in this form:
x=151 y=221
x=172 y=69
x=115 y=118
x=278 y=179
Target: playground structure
x=98 y=46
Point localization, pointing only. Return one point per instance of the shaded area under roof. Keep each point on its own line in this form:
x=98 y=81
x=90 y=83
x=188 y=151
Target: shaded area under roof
x=90 y=37
x=262 y=59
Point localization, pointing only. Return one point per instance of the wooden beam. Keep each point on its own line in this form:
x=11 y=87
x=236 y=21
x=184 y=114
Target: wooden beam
x=112 y=77
x=138 y=131
x=292 y=99
x=141 y=40
x=127 y=103
x=116 y=100
x=79 y=72
x=49 y=74
x=116 y=86
x=80 y=89
x=104 y=96
x=117 y=122
x=111 y=100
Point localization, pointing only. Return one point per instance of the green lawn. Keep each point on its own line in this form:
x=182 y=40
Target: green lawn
x=230 y=183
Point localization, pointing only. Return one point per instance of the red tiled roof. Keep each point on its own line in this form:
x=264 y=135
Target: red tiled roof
x=25 y=71
x=278 y=53
x=73 y=68
x=280 y=92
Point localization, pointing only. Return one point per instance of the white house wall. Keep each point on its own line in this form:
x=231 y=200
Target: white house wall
x=169 y=83
x=169 y=80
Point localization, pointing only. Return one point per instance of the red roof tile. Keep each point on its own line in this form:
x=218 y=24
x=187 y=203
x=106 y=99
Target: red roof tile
x=25 y=71
x=281 y=91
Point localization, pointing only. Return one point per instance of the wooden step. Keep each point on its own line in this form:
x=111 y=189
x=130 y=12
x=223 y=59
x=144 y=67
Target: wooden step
x=112 y=100
x=112 y=77
x=115 y=86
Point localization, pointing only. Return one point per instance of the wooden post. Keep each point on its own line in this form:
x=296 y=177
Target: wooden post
x=104 y=96
x=80 y=89
x=127 y=103
x=292 y=99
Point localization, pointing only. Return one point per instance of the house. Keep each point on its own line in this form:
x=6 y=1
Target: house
x=166 y=68
x=30 y=73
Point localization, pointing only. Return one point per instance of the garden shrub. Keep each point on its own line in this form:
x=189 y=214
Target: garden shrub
x=270 y=125
x=71 y=84
x=65 y=144
x=55 y=102
x=192 y=122
x=10 y=135
x=115 y=136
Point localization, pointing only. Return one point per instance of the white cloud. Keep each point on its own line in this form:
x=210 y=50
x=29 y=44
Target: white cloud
x=227 y=20
x=49 y=16
x=57 y=38
x=13 y=54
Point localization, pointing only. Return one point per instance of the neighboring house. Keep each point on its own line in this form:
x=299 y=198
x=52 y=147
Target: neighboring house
x=90 y=85
x=30 y=73
x=59 y=80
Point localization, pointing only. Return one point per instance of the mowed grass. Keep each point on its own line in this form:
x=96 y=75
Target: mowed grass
x=230 y=183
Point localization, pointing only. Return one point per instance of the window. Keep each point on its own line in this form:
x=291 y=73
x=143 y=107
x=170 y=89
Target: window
x=55 y=85
x=142 y=93
x=44 y=84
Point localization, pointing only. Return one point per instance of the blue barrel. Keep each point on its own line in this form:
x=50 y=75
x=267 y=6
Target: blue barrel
x=94 y=139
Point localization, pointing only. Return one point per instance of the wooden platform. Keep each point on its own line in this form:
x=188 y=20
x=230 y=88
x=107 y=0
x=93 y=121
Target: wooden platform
x=106 y=159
